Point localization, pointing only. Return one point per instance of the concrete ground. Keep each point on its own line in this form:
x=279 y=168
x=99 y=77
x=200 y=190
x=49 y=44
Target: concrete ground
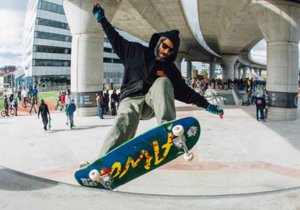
x=235 y=155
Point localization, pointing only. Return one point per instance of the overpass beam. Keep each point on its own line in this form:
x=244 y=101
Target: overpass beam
x=87 y=56
x=229 y=62
x=279 y=23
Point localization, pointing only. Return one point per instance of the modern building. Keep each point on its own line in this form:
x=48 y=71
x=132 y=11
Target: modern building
x=47 y=48
x=46 y=45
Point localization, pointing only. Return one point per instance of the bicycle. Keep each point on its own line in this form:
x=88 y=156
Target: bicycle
x=26 y=100
x=10 y=111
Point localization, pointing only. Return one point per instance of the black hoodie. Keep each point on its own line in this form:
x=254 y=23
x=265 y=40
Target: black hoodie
x=142 y=68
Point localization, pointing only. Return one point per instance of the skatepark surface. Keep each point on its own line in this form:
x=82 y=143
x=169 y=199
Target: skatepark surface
x=240 y=163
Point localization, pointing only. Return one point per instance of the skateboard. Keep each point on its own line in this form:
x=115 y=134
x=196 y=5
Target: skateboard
x=49 y=123
x=141 y=154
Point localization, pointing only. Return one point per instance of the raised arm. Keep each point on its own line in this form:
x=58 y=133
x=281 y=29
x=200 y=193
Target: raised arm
x=119 y=44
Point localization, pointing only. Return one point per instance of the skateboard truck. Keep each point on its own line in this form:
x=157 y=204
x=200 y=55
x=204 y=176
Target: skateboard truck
x=179 y=142
x=104 y=178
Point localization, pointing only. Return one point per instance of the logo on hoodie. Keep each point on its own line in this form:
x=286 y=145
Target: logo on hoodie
x=161 y=73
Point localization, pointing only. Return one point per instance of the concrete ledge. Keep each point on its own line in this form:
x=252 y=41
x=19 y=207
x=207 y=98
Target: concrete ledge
x=22 y=191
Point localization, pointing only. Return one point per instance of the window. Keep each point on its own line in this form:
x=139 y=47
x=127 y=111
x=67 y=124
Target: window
x=51 y=49
x=52 y=36
x=47 y=62
x=51 y=7
x=51 y=23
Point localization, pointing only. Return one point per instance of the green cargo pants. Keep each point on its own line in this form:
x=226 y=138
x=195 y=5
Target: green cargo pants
x=158 y=102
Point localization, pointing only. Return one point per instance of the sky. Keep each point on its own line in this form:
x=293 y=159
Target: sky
x=12 y=15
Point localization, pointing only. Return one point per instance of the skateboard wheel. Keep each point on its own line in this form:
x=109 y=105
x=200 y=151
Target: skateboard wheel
x=188 y=156
x=178 y=130
x=94 y=175
x=83 y=164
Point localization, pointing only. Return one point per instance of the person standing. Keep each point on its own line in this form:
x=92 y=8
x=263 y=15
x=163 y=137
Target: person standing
x=100 y=104
x=70 y=112
x=106 y=101
x=6 y=105
x=260 y=103
x=113 y=101
x=15 y=104
x=44 y=111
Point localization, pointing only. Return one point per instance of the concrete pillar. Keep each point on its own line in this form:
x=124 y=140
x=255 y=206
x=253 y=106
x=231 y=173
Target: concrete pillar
x=179 y=59
x=245 y=70
x=260 y=72
x=189 y=69
x=228 y=61
x=87 y=56
x=257 y=72
x=236 y=70
x=279 y=22
x=212 y=67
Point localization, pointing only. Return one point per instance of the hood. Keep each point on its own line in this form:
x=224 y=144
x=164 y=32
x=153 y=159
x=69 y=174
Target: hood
x=173 y=35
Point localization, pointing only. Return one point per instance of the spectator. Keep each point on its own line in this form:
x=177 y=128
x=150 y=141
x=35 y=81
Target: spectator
x=260 y=106
x=100 y=104
x=70 y=112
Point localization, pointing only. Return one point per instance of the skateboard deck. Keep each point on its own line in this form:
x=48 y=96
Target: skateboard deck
x=49 y=123
x=141 y=154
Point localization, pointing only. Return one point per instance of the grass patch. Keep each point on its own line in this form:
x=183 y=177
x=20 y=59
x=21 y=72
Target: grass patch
x=47 y=96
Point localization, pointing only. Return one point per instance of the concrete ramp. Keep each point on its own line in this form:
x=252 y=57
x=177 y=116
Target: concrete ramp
x=22 y=191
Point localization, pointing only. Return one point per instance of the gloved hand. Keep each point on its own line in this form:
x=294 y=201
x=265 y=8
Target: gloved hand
x=215 y=110
x=98 y=12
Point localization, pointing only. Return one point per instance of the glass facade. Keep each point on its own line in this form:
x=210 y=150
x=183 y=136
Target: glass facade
x=52 y=23
x=51 y=49
x=47 y=48
x=50 y=62
x=51 y=7
x=52 y=36
x=47 y=45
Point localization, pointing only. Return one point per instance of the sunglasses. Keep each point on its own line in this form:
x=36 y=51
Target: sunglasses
x=165 y=46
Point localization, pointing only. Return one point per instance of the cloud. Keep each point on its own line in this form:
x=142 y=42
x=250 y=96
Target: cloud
x=11 y=36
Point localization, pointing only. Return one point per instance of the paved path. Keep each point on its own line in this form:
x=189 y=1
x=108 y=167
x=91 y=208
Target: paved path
x=235 y=155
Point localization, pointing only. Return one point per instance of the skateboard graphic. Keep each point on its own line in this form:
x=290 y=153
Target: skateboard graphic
x=141 y=154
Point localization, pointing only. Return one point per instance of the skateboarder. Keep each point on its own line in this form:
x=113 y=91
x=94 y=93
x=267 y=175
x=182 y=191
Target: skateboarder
x=44 y=111
x=151 y=82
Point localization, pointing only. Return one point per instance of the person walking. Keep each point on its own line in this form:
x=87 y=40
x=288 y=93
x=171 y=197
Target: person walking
x=44 y=112
x=150 y=84
x=32 y=102
x=70 y=112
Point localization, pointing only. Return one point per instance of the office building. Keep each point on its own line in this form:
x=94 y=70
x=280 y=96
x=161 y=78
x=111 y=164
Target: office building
x=47 y=48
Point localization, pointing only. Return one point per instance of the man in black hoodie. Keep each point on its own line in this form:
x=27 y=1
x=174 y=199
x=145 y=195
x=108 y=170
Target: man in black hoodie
x=44 y=111
x=151 y=82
